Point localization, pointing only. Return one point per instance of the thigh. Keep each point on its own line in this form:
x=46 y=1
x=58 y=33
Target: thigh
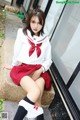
x=41 y=83
x=28 y=84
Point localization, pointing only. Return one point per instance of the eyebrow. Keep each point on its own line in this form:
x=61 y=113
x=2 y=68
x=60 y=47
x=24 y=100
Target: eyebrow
x=34 y=21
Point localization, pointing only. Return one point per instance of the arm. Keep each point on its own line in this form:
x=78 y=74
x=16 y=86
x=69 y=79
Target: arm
x=46 y=64
x=7 y=66
x=37 y=74
x=47 y=60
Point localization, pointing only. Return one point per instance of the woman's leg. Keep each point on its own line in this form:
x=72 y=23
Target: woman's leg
x=26 y=105
x=41 y=83
x=32 y=89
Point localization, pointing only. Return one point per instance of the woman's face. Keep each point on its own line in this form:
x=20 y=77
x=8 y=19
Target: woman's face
x=35 y=25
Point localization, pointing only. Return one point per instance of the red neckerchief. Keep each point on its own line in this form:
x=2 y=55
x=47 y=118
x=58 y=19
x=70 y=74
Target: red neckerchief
x=34 y=47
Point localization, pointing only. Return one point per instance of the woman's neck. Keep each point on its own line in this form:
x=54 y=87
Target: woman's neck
x=36 y=34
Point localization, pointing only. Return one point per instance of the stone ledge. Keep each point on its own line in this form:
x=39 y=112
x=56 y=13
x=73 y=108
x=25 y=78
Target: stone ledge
x=10 y=91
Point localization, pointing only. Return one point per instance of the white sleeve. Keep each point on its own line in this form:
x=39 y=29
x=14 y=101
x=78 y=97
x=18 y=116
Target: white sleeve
x=47 y=62
x=17 y=47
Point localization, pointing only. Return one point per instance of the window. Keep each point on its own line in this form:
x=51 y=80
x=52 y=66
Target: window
x=66 y=48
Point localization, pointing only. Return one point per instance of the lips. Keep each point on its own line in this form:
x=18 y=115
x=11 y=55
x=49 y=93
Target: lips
x=35 y=29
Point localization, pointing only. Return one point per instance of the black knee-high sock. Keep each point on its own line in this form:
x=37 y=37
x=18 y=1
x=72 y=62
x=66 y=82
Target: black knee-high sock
x=21 y=112
x=28 y=100
x=40 y=117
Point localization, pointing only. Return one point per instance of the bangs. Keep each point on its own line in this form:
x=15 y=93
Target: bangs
x=40 y=20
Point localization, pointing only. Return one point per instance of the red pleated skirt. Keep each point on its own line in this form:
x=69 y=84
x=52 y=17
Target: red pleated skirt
x=18 y=72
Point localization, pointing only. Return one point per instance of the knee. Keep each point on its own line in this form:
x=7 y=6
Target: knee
x=37 y=91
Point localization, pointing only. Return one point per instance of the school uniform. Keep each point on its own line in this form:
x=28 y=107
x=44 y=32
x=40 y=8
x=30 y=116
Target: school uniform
x=31 y=53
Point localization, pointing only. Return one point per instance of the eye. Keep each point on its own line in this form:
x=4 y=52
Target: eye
x=33 y=21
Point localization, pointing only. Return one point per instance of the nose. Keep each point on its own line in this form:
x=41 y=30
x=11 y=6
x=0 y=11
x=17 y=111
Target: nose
x=36 y=25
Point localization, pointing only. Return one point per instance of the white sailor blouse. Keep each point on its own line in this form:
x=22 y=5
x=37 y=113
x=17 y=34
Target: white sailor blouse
x=32 y=50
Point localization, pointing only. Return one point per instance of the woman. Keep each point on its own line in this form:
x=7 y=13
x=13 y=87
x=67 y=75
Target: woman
x=31 y=60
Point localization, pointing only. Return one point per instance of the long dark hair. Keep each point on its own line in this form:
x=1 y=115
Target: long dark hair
x=35 y=12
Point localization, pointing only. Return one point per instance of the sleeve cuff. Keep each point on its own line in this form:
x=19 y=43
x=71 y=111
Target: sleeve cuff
x=43 y=69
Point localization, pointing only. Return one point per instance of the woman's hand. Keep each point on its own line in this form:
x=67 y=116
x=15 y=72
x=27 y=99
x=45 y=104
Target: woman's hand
x=7 y=66
x=37 y=74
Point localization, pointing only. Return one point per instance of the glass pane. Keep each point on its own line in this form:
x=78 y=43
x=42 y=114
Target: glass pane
x=66 y=47
x=66 y=42
x=75 y=90
x=52 y=16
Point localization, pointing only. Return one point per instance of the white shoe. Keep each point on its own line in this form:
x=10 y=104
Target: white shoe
x=33 y=110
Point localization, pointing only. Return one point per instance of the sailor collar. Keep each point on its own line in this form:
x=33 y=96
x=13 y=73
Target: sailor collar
x=34 y=38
